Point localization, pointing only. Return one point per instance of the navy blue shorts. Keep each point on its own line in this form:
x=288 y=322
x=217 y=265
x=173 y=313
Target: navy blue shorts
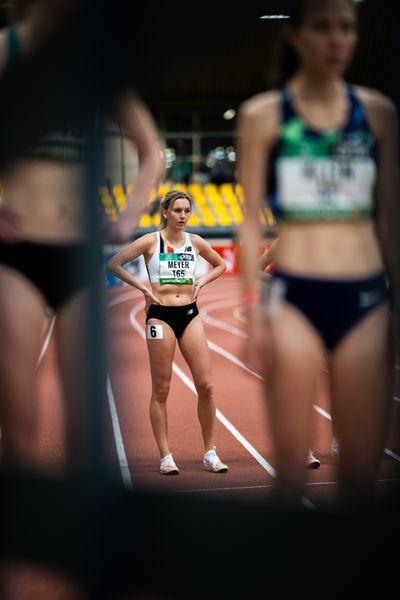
x=332 y=306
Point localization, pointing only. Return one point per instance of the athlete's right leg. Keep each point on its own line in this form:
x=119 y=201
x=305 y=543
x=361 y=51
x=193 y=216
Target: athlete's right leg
x=21 y=335
x=290 y=390
x=161 y=353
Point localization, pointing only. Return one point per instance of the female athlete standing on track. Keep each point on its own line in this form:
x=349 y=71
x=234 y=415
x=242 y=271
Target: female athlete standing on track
x=172 y=316
x=331 y=155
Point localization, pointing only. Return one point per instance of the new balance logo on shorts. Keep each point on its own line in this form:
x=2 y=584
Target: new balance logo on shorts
x=190 y=311
x=368 y=298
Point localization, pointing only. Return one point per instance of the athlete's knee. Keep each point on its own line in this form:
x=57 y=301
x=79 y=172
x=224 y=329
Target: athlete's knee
x=205 y=389
x=160 y=392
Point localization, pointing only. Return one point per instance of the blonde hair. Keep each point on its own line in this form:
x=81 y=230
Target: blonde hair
x=169 y=200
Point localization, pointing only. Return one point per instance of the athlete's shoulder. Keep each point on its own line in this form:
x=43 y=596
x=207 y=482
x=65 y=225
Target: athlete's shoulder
x=380 y=109
x=260 y=106
x=196 y=239
x=375 y=100
x=147 y=240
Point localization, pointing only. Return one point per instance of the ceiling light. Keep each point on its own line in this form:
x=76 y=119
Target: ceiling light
x=272 y=17
x=229 y=114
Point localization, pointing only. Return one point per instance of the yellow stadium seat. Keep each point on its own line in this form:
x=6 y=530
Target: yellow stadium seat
x=239 y=193
x=270 y=216
x=209 y=219
x=118 y=189
x=195 y=188
x=145 y=220
x=210 y=188
x=121 y=201
x=179 y=186
x=163 y=189
x=194 y=220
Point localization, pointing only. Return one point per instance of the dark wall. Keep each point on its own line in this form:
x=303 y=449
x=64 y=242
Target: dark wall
x=223 y=60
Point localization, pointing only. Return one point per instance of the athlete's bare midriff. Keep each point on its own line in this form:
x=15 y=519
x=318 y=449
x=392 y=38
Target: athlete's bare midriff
x=329 y=249
x=173 y=294
x=49 y=199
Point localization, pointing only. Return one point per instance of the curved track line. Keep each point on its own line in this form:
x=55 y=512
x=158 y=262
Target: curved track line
x=217 y=322
x=237 y=313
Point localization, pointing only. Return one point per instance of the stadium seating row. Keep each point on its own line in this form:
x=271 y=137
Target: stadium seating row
x=214 y=206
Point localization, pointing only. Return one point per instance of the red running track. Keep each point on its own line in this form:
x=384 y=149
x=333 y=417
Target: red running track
x=243 y=439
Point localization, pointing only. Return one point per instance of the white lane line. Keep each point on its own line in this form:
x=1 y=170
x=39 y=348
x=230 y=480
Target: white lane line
x=260 y=487
x=224 y=489
x=322 y=412
x=219 y=350
x=217 y=322
x=119 y=443
x=392 y=454
x=237 y=313
x=396 y=398
x=46 y=343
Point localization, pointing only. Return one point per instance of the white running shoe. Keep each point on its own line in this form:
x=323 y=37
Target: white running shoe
x=312 y=461
x=168 y=466
x=335 y=448
x=212 y=462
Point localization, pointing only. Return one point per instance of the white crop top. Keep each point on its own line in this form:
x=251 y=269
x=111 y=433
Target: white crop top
x=172 y=265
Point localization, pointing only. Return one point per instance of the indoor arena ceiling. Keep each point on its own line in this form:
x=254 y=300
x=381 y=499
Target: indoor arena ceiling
x=224 y=60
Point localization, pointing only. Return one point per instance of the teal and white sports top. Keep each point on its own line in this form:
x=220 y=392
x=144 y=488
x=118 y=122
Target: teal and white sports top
x=323 y=176
x=171 y=264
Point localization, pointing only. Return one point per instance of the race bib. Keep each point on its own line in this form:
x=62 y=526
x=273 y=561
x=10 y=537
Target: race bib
x=311 y=187
x=177 y=268
x=154 y=332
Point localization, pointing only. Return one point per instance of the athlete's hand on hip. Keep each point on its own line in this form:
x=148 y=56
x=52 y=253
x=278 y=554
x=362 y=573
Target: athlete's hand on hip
x=149 y=299
x=197 y=287
x=9 y=221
